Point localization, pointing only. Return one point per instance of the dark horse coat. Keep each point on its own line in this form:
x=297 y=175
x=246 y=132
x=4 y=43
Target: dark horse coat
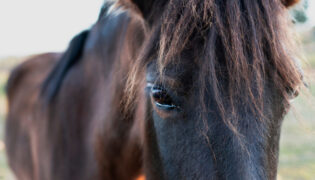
x=172 y=89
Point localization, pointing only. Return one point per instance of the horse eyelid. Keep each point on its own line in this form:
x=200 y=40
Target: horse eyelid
x=172 y=106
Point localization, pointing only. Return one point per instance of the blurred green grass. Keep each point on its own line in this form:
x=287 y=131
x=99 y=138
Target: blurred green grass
x=5 y=173
x=297 y=145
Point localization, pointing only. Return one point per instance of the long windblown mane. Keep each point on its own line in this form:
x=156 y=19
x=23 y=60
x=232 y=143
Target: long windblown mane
x=71 y=56
x=246 y=43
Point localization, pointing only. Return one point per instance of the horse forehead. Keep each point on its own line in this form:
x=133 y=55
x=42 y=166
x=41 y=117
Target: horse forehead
x=179 y=70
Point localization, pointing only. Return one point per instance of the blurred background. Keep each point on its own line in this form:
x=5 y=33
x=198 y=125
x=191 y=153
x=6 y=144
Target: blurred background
x=35 y=26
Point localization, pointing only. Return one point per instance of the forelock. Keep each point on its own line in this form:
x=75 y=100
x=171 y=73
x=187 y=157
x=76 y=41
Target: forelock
x=255 y=41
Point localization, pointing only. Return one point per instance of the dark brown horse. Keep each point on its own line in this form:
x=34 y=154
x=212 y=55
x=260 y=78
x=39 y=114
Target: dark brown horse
x=172 y=89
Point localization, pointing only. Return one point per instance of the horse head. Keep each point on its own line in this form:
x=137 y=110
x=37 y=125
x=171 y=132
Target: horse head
x=218 y=76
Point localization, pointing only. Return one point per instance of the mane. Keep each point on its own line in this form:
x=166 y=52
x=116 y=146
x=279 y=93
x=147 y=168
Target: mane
x=70 y=57
x=245 y=43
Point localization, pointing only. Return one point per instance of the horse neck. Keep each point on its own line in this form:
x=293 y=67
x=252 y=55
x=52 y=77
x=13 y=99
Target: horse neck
x=115 y=40
x=113 y=47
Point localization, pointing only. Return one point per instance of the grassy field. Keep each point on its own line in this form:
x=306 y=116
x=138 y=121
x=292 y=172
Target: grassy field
x=297 y=153
x=5 y=67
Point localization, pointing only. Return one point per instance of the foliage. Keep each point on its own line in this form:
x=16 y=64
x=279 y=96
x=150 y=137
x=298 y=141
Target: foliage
x=299 y=13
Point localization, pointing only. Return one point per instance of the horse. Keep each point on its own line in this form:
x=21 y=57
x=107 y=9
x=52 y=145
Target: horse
x=167 y=89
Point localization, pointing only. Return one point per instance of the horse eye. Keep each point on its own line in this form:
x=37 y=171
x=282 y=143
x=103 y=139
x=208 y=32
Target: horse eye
x=162 y=99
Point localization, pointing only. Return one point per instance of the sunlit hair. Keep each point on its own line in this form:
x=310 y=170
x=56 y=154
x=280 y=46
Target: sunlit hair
x=244 y=43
